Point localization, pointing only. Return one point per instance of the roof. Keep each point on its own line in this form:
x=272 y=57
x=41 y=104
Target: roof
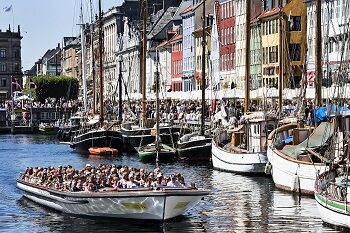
x=50 y=53
x=256 y=19
x=183 y=6
x=162 y=22
x=70 y=41
x=163 y=44
x=269 y=13
x=188 y=9
x=175 y=38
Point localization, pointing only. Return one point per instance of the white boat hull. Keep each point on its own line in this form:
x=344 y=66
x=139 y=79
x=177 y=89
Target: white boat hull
x=331 y=215
x=293 y=175
x=253 y=163
x=145 y=205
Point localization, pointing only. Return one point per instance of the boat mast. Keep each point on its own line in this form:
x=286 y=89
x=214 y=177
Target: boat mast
x=203 y=72
x=83 y=71
x=318 y=54
x=157 y=104
x=247 y=58
x=92 y=30
x=143 y=61
x=120 y=110
x=100 y=39
x=280 y=57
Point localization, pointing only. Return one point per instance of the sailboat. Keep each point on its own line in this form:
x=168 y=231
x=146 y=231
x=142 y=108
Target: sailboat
x=197 y=146
x=332 y=187
x=242 y=149
x=106 y=136
x=295 y=152
x=139 y=134
x=157 y=151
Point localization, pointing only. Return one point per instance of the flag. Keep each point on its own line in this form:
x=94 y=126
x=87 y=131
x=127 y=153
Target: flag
x=16 y=86
x=7 y=8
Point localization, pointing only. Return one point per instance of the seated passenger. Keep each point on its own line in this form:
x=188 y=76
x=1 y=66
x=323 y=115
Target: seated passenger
x=160 y=181
x=174 y=182
x=132 y=183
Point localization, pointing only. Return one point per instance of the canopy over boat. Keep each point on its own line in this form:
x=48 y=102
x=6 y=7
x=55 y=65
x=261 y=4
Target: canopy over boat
x=317 y=139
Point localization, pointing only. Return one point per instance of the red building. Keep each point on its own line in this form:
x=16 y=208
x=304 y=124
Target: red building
x=226 y=30
x=176 y=62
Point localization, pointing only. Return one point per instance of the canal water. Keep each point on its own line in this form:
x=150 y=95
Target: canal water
x=236 y=203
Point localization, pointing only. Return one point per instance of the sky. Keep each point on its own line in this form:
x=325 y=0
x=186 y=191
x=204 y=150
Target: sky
x=44 y=23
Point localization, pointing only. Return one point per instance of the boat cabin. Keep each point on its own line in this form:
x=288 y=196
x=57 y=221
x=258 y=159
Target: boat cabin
x=253 y=135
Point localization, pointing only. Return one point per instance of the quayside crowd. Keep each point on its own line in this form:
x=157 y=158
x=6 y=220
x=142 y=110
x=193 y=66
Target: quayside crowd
x=101 y=178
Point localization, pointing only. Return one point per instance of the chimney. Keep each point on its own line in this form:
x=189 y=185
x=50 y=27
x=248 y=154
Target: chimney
x=9 y=28
x=19 y=29
x=58 y=45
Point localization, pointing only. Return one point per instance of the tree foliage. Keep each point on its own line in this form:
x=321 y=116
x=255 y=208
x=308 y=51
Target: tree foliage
x=49 y=86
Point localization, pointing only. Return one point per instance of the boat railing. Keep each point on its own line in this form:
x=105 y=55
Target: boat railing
x=33 y=183
x=333 y=190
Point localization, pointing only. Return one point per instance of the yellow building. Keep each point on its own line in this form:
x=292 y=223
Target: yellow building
x=293 y=38
x=70 y=63
x=198 y=56
x=198 y=25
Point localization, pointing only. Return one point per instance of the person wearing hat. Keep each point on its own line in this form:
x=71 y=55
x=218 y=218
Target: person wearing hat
x=174 y=183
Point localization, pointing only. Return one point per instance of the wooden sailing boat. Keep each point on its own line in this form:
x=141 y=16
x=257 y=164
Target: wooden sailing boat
x=103 y=136
x=332 y=188
x=294 y=150
x=242 y=149
x=197 y=146
x=137 y=135
x=157 y=151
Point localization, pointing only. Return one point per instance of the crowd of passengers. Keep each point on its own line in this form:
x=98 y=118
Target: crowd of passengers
x=100 y=178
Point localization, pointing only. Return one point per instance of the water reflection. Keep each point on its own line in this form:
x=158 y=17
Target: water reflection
x=236 y=203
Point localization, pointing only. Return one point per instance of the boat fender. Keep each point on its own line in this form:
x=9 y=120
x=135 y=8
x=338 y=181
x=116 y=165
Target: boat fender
x=295 y=183
x=268 y=168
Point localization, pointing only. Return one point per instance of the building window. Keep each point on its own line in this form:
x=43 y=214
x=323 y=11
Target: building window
x=295 y=52
x=16 y=66
x=3 y=82
x=2 y=53
x=337 y=9
x=295 y=23
x=2 y=67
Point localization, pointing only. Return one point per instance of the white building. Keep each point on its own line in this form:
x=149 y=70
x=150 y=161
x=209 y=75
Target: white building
x=112 y=26
x=164 y=51
x=214 y=67
x=240 y=24
x=129 y=53
x=335 y=46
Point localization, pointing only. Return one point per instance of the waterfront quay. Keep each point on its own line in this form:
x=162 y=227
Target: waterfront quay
x=235 y=204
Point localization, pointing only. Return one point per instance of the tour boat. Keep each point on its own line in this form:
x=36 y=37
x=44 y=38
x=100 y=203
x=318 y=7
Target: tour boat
x=103 y=151
x=246 y=153
x=294 y=167
x=136 y=203
x=194 y=147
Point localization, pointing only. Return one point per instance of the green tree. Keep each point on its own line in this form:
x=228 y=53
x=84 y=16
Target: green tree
x=49 y=86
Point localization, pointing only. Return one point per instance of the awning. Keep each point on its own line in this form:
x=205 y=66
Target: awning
x=317 y=139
